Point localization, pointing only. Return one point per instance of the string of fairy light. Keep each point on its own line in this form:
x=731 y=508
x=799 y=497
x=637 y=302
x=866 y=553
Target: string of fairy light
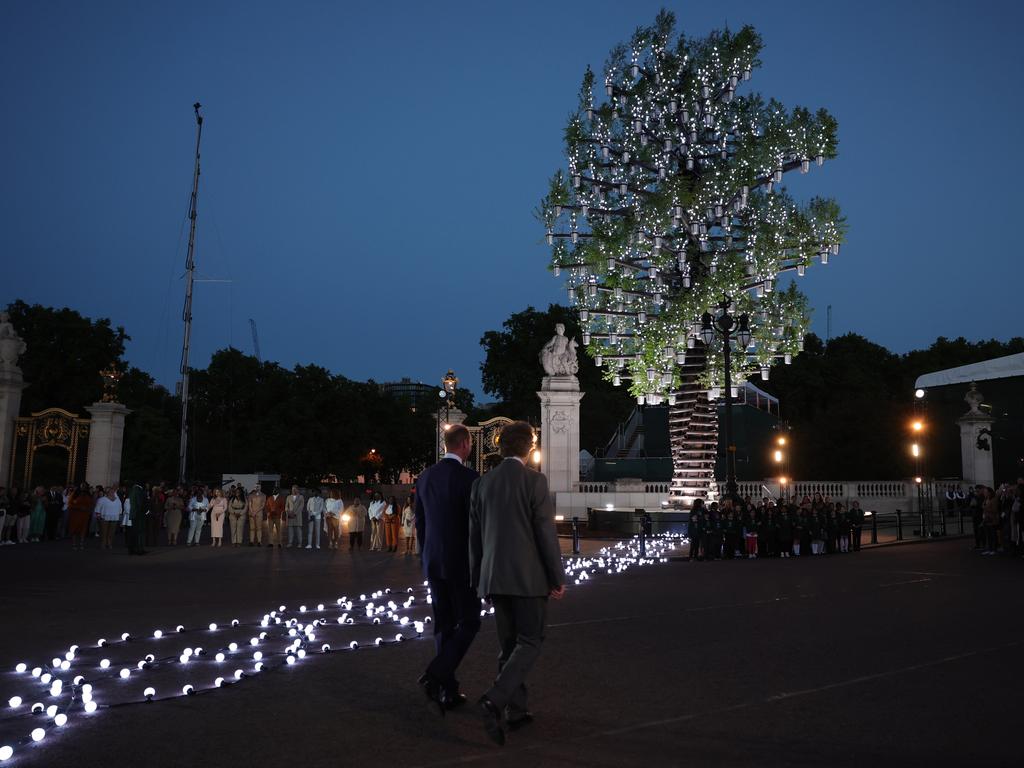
x=672 y=201
x=88 y=678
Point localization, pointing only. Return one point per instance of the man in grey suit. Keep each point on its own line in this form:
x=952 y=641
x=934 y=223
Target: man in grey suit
x=516 y=565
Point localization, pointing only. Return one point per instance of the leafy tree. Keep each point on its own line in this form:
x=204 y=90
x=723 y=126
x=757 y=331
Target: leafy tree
x=511 y=372
x=64 y=356
x=841 y=401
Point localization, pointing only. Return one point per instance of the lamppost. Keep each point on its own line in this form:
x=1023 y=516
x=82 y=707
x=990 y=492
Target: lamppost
x=729 y=328
x=917 y=428
x=449 y=384
x=780 y=455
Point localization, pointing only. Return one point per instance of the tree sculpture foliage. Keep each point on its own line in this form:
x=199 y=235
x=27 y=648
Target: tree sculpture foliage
x=672 y=206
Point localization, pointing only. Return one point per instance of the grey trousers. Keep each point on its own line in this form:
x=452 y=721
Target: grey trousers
x=520 y=625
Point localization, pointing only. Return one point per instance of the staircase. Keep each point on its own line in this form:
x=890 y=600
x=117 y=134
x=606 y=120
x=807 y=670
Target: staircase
x=693 y=432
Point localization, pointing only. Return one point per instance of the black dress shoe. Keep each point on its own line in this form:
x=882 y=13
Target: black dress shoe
x=453 y=700
x=517 y=721
x=491 y=717
x=432 y=690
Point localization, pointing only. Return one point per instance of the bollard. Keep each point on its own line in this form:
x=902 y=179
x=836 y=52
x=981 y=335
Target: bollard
x=960 y=514
x=575 y=535
x=924 y=531
x=943 y=526
x=899 y=525
x=643 y=533
x=874 y=527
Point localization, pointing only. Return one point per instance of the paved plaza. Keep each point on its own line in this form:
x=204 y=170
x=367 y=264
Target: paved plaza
x=898 y=655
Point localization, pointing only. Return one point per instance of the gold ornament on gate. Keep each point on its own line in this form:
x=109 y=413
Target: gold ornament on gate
x=111 y=376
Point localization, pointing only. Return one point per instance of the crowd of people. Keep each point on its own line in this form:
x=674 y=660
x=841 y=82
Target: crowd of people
x=997 y=516
x=732 y=529
x=299 y=518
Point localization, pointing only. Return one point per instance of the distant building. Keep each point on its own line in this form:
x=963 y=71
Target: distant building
x=417 y=394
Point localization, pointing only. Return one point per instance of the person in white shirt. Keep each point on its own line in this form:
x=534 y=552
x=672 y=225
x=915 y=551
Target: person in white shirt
x=108 y=510
x=332 y=516
x=197 y=507
x=315 y=510
x=376 y=513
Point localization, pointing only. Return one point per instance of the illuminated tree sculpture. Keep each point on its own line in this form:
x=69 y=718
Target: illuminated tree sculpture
x=672 y=206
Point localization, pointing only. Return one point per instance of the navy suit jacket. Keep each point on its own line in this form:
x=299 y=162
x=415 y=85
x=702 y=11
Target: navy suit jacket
x=442 y=519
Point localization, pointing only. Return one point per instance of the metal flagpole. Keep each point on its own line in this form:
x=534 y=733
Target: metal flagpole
x=190 y=268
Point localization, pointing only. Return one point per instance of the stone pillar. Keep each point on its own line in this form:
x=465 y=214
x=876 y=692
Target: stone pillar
x=11 y=384
x=106 y=439
x=560 y=431
x=976 y=462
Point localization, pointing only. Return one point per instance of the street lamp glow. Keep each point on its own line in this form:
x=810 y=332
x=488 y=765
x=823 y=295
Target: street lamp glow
x=536 y=456
x=778 y=457
x=919 y=393
x=917 y=426
x=781 y=441
x=915 y=450
x=918 y=480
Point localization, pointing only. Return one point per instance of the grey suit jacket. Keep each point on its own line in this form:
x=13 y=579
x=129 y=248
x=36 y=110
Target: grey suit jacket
x=513 y=545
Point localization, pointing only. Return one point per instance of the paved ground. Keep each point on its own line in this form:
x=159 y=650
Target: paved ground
x=904 y=655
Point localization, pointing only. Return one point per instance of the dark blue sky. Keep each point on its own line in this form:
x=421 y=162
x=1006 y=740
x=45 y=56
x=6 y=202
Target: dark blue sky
x=369 y=173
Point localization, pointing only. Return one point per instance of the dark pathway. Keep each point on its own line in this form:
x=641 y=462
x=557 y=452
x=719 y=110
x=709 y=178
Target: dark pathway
x=896 y=656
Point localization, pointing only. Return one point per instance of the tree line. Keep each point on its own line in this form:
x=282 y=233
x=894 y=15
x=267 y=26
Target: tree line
x=846 y=401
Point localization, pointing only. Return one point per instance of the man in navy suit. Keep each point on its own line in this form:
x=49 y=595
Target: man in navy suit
x=442 y=528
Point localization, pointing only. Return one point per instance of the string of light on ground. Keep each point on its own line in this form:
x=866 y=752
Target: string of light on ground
x=162 y=664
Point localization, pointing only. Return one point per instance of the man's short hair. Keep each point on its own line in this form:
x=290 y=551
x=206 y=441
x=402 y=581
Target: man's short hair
x=516 y=439
x=455 y=436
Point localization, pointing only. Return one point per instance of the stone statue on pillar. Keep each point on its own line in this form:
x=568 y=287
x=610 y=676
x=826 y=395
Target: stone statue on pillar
x=560 y=412
x=559 y=355
x=12 y=382
x=975 y=451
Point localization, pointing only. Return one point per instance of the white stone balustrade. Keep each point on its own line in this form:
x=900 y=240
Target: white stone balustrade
x=885 y=496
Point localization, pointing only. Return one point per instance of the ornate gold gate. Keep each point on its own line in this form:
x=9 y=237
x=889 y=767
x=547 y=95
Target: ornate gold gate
x=485 y=442
x=53 y=427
